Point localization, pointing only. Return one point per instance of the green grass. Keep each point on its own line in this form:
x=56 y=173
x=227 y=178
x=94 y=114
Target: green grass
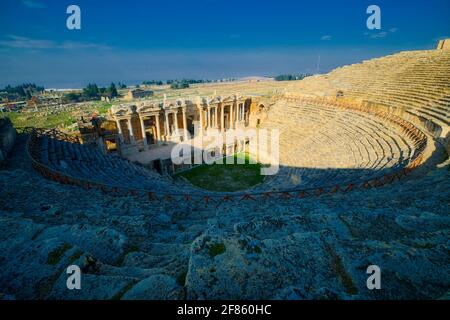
x=216 y=249
x=101 y=107
x=55 y=256
x=35 y=119
x=181 y=278
x=74 y=257
x=225 y=177
x=121 y=293
x=58 y=119
x=338 y=267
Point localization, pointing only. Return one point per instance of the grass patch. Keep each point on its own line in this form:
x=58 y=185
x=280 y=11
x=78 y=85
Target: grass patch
x=257 y=249
x=60 y=118
x=74 y=257
x=216 y=249
x=124 y=290
x=338 y=267
x=38 y=120
x=181 y=278
x=225 y=177
x=55 y=256
x=102 y=107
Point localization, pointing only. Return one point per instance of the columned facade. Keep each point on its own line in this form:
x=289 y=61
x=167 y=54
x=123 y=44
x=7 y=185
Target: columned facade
x=156 y=126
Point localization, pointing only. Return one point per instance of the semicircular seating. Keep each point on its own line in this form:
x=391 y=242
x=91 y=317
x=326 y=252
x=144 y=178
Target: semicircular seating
x=415 y=83
x=320 y=144
x=323 y=145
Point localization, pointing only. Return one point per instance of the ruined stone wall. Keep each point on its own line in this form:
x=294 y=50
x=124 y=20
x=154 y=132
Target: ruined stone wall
x=444 y=44
x=136 y=125
x=259 y=111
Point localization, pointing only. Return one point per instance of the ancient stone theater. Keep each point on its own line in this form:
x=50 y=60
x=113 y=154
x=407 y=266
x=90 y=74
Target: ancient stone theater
x=363 y=179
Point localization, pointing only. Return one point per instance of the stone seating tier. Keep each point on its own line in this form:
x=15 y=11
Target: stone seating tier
x=416 y=82
x=87 y=163
x=323 y=145
x=319 y=145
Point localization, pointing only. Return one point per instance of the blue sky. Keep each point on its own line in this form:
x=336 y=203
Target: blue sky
x=137 y=40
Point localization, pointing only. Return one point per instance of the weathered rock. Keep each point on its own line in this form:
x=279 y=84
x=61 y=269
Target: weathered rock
x=156 y=287
x=247 y=268
x=98 y=287
x=104 y=243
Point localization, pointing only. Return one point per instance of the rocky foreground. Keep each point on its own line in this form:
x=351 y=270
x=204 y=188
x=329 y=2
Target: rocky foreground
x=312 y=248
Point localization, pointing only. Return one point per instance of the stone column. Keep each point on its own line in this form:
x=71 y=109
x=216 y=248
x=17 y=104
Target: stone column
x=200 y=110
x=232 y=116
x=216 y=118
x=236 y=119
x=222 y=118
x=144 y=137
x=175 y=120
x=209 y=122
x=130 y=128
x=237 y=112
x=119 y=129
x=158 y=129
x=241 y=112
x=166 y=125
x=184 y=124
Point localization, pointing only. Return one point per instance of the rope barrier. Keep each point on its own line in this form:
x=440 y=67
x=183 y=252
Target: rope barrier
x=227 y=198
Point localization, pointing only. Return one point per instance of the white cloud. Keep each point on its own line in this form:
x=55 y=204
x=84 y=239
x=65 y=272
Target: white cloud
x=326 y=38
x=33 y=4
x=18 y=42
x=379 y=35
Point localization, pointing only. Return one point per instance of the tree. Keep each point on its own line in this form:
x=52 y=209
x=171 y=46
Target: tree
x=113 y=90
x=23 y=91
x=91 y=92
x=290 y=77
x=183 y=84
x=110 y=92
